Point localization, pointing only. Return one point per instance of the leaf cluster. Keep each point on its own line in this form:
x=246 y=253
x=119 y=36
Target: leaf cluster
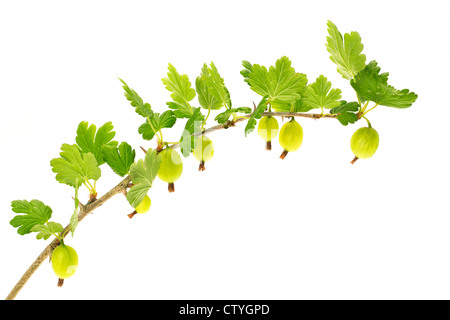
x=366 y=80
x=371 y=85
x=79 y=163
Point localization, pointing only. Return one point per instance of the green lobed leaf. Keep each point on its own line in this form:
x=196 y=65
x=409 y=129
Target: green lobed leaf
x=206 y=99
x=178 y=110
x=142 y=108
x=294 y=106
x=119 y=158
x=256 y=114
x=146 y=131
x=372 y=85
x=246 y=71
x=345 y=107
x=158 y=121
x=91 y=140
x=142 y=174
x=45 y=231
x=320 y=95
x=345 y=51
x=224 y=116
x=347 y=117
x=346 y=112
x=216 y=87
x=31 y=213
x=182 y=93
x=280 y=84
x=300 y=106
x=73 y=168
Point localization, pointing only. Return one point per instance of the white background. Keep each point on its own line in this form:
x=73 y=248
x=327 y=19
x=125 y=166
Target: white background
x=251 y=226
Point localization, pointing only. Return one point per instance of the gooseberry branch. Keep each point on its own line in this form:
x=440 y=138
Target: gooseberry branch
x=123 y=186
x=285 y=93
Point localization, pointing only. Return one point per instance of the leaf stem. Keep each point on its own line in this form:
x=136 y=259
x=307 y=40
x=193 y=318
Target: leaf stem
x=90 y=190
x=153 y=128
x=161 y=141
x=207 y=116
x=357 y=95
x=365 y=107
x=365 y=112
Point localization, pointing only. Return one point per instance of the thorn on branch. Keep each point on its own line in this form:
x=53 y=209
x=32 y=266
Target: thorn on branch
x=145 y=151
x=79 y=203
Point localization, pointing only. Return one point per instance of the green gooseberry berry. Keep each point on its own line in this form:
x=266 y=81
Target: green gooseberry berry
x=64 y=262
x=203 y=151
x=291 y=137
x=268 y=129
x=171 y=167
x=142 y=207
x=364 y=143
